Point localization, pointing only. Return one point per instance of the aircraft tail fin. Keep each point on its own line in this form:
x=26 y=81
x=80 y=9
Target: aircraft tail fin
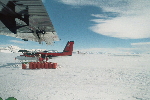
x=69 y=47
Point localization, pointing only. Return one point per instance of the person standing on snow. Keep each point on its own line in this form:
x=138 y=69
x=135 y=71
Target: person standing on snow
x=40 y=58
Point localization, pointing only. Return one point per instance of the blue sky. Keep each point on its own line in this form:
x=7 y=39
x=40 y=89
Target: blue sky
x=97 y=25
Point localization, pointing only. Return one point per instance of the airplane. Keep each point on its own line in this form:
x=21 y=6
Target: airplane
x=27 y=55
x=28 y=20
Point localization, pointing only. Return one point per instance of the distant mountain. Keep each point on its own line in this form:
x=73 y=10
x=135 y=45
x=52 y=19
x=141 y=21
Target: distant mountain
x=10 y=49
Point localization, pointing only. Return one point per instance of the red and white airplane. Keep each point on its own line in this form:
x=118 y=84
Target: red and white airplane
x=27 y=55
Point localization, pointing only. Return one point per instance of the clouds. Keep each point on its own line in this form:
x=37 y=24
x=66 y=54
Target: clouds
x=141 y=48
x=79 y=2
x=132 y=22
x=142 y=45
x=123 y=27
x=16 y=41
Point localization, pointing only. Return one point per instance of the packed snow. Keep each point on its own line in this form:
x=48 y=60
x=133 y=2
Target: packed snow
x=78 y=77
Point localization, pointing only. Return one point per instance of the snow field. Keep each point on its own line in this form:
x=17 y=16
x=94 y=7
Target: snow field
x=78 y=77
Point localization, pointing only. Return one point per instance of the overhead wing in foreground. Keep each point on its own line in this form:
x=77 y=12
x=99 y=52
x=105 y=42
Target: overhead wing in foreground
x=27 y=19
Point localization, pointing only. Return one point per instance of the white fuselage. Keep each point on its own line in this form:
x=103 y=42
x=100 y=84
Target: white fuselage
x=27 y=58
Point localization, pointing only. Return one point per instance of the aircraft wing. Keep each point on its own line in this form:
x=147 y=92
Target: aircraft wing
x=26 y=19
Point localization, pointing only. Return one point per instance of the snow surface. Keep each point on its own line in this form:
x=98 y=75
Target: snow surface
x=78 y=77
